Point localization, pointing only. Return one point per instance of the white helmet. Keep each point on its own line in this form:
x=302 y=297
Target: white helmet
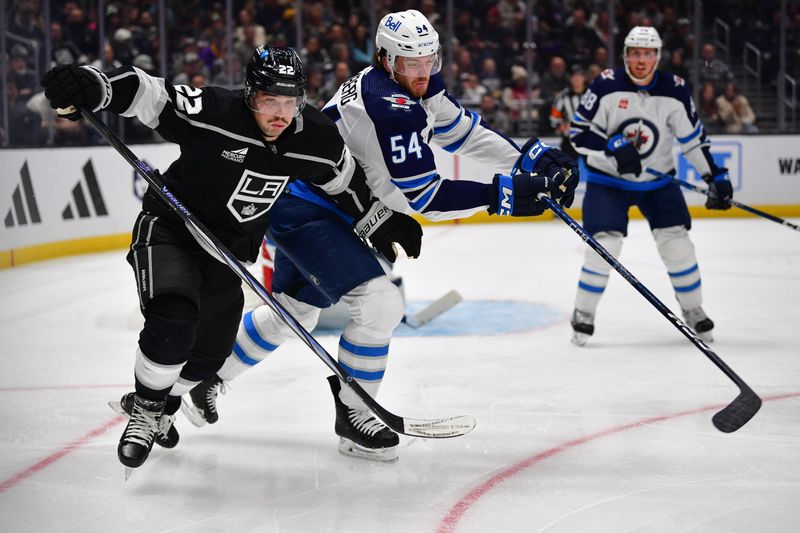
x=641 y=37
x=407 y=34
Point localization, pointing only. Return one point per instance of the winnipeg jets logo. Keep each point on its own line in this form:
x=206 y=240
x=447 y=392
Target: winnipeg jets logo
x=398 y=101
x=254 y=195
x=237 y=156
x=641 y=133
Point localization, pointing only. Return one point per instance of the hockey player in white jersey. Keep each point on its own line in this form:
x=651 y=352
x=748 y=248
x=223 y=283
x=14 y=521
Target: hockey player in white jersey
x=388 y=114
x=628 y=120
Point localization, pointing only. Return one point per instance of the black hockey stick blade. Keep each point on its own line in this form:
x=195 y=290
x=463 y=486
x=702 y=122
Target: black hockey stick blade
x=430 y=428
x=741 y=409
x=738 y=412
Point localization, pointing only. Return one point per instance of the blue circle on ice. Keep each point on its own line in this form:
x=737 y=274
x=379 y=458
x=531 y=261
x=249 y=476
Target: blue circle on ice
x=476 y=317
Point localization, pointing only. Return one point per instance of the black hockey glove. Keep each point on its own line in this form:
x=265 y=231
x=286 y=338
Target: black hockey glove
x=384 y=227
x=720 y=190
x=544 y=160
x=625 y=154
x=517 y=195
x=71 y=85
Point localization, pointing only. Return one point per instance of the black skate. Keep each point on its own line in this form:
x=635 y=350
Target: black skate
x=167 y=436
x=360 y=433
x=582 y=327
x=137 y=439
x=698 y=320
x=201 y=406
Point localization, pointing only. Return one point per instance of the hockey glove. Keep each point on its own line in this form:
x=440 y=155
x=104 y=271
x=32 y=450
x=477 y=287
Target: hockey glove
x=71 y=85
x=720 y=190
x=544 y=160
x=625 y=154
x=517 y=195
x=384 y=227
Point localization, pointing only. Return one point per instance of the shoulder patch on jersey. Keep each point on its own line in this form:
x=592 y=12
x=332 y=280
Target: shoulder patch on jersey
x=679 y=81
x=399 y=101
x=607 y=74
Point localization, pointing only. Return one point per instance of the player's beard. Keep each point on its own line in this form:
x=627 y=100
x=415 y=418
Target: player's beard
x=418 y=86
x=270 y=130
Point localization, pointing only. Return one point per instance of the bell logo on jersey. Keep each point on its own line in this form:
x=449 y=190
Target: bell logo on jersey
x=255 y=194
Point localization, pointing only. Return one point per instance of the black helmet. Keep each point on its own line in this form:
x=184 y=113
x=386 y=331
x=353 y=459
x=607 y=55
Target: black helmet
x=276 y=71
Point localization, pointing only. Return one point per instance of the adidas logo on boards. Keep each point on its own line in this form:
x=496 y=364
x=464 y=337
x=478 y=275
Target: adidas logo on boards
x=24 y=209
x=80 y=201
x=237 y=156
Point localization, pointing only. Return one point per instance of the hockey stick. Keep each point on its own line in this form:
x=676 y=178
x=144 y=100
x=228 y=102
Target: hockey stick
x=734 y=203
x=747 y=403
x=436 y=308
x=430 y=428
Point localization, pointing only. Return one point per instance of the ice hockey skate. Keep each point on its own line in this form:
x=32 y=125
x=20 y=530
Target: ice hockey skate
x=137 y=439
x=698 y=320
x=582 y=327
x=360 y=433
x=166 y=437
x=201 y=406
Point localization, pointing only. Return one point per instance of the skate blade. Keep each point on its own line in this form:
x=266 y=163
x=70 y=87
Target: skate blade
x=192 y=413
x=579 y=339
x=381 y=455
x=127 y=473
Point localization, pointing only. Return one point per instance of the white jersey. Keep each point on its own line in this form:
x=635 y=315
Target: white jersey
x=650 y=117
x=389 y=132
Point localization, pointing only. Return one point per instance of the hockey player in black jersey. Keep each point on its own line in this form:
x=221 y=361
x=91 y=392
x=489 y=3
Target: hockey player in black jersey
x=239 y=151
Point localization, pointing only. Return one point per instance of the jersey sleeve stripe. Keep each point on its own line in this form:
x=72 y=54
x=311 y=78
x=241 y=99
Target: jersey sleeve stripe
x=149 y=101
x=421 y=201
x=578 y=118
x=452 y=147
x=414 y=183
x=221 y=131
x=444 y=129
x=692 y=135
x=343 y=171
x=307 y=157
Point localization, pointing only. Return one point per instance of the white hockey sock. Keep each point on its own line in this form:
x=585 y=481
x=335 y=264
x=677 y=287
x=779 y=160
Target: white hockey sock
x=677 y=253
x=595 y=272
x=261 y=332
x=376 y=308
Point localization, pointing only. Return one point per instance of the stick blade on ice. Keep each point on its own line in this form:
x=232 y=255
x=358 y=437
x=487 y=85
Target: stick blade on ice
x=738 y=412
x=439 y=428
x=434 y=309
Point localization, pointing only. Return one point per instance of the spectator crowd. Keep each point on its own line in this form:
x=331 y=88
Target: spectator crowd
x=488 y=73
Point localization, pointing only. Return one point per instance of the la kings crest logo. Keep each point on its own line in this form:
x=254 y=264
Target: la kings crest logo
x=255 y=194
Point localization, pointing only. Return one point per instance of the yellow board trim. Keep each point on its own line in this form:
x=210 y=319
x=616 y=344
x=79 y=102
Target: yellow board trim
x=51 y=250
x=103 y=243
x=698 y=211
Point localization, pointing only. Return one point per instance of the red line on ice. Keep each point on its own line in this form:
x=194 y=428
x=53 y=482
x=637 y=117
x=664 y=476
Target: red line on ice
x=450 y=521
x=52 y=458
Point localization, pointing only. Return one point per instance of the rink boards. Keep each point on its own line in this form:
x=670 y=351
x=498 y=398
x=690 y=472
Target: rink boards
x=65 y=201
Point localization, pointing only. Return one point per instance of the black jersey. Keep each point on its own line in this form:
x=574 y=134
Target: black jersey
x=227 y=175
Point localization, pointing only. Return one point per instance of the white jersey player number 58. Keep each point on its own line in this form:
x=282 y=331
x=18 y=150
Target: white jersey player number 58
x=399 y=150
